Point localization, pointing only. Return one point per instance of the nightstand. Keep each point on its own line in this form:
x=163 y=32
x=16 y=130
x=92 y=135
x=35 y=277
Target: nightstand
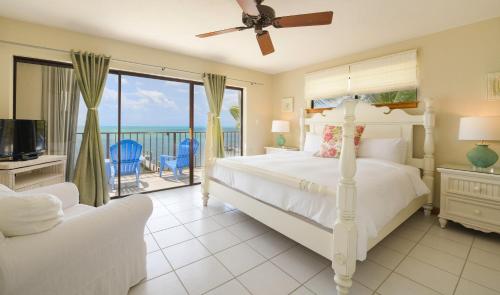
x=272 y=149
x=470 y=197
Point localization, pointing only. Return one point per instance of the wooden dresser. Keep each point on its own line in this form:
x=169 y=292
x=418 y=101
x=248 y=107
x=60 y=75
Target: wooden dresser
x=470 y=197
x=25 y=175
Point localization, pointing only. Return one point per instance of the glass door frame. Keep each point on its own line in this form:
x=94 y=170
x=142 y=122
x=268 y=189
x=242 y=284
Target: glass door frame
x=120 y=73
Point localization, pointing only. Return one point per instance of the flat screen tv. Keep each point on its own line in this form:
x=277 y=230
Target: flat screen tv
x=22 y=139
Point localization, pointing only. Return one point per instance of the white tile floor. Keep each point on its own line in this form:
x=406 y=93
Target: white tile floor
x=219 y=250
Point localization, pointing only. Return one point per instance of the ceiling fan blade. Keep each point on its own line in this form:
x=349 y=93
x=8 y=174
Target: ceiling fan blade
x=220 y=32
x=303 y=20
x=249 y=7
x=265 y=43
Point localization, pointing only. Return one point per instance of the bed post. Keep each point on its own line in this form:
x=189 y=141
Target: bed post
x=302 y=129
x=428 y=177
x=204 y=187
x=344 y=230
x=209 y=157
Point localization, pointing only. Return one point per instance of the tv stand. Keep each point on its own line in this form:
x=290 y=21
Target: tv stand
x=29 y=174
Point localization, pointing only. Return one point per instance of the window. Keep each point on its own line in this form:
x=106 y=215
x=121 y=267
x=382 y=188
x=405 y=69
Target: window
x=389 y=80
x=155 y=112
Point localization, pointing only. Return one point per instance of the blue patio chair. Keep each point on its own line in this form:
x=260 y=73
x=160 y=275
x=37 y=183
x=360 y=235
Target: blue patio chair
x=176 y=164
x=130 y=163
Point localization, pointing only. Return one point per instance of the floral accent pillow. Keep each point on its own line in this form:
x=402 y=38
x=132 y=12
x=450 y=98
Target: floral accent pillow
x=332 y=141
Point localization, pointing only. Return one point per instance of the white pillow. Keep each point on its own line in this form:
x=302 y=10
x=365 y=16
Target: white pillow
x=391 y=149
x=24 y=214
x=312 y=142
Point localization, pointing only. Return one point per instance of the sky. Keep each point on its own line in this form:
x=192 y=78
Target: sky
x=152 y=102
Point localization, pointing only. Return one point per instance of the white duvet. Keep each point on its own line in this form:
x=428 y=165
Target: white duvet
x=383 y=187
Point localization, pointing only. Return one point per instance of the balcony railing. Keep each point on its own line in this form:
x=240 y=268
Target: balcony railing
x=156 y=143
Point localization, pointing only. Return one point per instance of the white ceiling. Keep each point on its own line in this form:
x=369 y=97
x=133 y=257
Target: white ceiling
x=172 y=25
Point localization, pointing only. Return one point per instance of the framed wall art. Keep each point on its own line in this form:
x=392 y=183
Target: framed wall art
x=287 y=105
x=493 y=84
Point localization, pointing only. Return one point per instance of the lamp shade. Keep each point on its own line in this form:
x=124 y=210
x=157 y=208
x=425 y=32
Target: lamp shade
x=479 y=128
x=280 y=126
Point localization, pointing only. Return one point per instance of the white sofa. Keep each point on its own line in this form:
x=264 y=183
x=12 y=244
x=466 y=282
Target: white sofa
x=93 y=251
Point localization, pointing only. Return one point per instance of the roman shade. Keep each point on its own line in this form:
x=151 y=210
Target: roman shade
x=327 y=83
x=384 y=74
x=388 y=73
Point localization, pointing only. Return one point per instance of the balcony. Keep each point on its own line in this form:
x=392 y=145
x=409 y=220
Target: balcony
x=156 y=143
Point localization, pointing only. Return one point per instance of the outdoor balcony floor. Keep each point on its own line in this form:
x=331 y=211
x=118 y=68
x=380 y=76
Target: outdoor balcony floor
x=151 y=181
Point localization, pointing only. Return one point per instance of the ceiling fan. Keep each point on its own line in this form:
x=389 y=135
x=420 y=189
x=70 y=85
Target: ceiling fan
x=258 y=17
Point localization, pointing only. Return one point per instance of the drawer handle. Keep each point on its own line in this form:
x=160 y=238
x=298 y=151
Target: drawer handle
x=477 y=211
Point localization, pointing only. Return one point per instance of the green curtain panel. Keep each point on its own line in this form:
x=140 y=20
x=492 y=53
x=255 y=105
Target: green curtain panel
x=214 y=88
x=90 y=174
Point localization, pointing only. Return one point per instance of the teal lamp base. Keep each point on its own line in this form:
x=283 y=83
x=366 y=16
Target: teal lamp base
x=482 y=156
x=280 y=140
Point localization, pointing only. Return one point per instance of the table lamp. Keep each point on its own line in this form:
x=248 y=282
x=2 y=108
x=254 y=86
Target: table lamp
x=280 y=126
x=480 y=128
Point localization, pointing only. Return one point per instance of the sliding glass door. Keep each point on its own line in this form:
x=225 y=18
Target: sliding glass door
x=162 y=130
x=153 y=129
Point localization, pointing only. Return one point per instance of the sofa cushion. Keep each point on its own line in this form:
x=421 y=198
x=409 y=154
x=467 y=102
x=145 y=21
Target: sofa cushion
x=4 y=188
x=24 y=214
x=76 y=210
x=67 y=192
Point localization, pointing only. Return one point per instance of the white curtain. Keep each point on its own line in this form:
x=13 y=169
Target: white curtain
x=60 y=102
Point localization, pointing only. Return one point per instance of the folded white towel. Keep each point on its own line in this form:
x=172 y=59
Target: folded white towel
x=24 y=214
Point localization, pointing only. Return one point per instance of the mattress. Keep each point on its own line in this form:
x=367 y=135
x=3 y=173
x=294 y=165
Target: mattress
x=383 y=187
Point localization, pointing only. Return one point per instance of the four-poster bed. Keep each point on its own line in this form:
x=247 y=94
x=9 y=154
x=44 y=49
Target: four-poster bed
x=338 y=242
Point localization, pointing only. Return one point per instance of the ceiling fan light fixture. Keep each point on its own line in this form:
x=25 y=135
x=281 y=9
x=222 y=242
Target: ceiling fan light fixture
x=258 y=16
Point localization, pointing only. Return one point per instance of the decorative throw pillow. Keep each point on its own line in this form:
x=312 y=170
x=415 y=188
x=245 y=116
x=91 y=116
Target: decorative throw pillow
x=23 y=214
x=331 y=146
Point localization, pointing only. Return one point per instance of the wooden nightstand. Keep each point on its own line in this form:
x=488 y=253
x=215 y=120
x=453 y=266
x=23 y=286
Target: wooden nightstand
x=470 y=197
x=272 y=149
